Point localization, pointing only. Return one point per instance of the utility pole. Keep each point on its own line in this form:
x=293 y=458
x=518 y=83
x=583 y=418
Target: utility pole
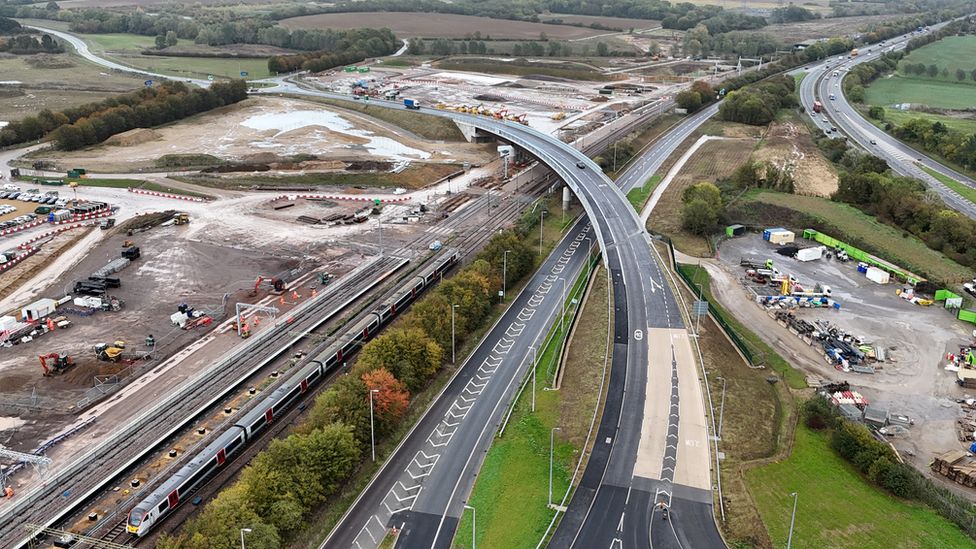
x=789 y=540
x=453 y=307
x=534 y=359
x=552 y=444
x=372 y=436
x=505 y=273
x=542 y=219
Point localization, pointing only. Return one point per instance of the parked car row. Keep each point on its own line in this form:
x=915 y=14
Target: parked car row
x=26 y=218
x=6 y=208
x=35 y=197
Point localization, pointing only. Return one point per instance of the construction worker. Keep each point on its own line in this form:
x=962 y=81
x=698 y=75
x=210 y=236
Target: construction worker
x=150 y=341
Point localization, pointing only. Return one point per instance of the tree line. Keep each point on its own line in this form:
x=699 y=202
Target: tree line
x=869 y=185
x=877 y=462
x=25 y=44
x=758 y=104
x=91 y=123
x=346 y=46
x=286 y=482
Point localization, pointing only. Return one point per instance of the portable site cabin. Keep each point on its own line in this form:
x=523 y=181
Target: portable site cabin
x=39 y=309
x=809 y=254
x=879 y=276
x=779 y=236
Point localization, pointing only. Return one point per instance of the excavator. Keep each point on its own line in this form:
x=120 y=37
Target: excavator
x=55 y=363
x=275 y=282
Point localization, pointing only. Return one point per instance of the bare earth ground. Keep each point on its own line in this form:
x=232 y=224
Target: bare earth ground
x=55 y=82
x=912 y=382
x=788 y=145
x=409 y=25
x=715 y=159
x=277 y=128
x=798 y=32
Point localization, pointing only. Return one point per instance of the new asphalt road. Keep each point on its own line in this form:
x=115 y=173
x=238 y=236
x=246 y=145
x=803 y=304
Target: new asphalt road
x=822 y=84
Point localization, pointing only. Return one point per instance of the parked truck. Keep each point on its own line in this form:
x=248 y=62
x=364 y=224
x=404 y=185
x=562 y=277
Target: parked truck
x=411 y=104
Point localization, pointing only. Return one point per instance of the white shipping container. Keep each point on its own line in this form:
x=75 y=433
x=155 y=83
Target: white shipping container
x=7 y=323
x=782 y=237
x=38 y=309
x=877 y=275
x=809 y=254
x=90 y=302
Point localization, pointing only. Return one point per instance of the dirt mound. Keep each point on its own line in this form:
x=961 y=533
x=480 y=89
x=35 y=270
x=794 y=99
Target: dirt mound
x=790 y=147
x=133 y=137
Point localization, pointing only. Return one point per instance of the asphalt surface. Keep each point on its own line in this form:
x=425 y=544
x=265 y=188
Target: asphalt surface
x=642 y=302
x=820 y=83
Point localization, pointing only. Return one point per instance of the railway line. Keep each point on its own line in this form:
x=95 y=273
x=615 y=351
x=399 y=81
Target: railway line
x=502 y=211
x=77 y=482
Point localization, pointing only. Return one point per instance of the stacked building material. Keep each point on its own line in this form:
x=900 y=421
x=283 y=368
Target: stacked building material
x=957 y=466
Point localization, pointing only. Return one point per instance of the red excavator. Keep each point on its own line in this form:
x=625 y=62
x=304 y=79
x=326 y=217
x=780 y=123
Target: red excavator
x=275 y=282
x=55 y=363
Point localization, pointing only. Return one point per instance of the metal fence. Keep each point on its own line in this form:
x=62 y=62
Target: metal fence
x=755 y=357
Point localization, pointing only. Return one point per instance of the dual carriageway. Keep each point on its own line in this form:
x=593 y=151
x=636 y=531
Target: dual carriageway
x=652 y=441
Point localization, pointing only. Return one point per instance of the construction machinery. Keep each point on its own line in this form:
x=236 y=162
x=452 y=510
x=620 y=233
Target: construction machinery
x=558 y=116
x=110 y=353
x=275 y=282
x=181 y=218
x=55 y=363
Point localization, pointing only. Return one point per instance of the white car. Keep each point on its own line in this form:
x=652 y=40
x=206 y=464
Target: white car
x=399 y=190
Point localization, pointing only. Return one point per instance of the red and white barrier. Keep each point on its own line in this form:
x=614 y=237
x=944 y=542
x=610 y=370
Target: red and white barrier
x=166 y=195
x=83 y=217
x=336 y=197
x=23 y=227
x=46 y=234
x=27 y=253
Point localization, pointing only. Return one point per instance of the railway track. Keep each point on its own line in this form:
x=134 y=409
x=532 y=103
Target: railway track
x=104 y=462
x=87 y=475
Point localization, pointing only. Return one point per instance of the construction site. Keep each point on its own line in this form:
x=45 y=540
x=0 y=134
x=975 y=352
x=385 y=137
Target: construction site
x=844 y=316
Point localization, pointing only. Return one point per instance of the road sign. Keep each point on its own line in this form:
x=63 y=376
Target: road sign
x=243 y=74
x=209 y=77
x=700 y=308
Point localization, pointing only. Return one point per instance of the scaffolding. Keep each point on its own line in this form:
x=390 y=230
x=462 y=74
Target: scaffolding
x=41 y=464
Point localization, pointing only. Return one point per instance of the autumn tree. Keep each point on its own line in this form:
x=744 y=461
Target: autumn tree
x=407 y=353
x=220 y=523
x=391 y=398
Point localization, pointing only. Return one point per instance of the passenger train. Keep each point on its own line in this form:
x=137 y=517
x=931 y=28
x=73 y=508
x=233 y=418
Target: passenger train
x=177 y=488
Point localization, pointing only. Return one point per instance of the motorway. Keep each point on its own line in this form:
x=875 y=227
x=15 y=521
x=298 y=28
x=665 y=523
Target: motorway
x=648 y=450
x=903 y=159
x=652 y=443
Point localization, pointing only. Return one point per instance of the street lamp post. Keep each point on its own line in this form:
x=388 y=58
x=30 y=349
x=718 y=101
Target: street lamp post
x=504 y=273
x=244 y=531
x=721 y=409
x=372 y=437
x=562 y=319
x=474 y=526
x=542 y=219
x=453 y=355
x=589 y=260
x=789 y=540
x=534 y=358
x=552 y=444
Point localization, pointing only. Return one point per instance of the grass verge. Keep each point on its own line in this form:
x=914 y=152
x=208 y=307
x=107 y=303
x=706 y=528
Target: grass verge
x=322 y=522
x=137 y=184
x=793 y=377
x=415 y=176
x=836 y=507
x=639 y=195
x=968 y=193
x=517 y=465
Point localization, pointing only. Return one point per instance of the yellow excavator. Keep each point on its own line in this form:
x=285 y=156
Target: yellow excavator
x=181 y=219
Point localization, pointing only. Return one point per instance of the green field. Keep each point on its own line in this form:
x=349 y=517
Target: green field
x=866 y=231
x=123 y=41
x=934 y=93
x=898 y=118
x=836 y=508
x=952 y=52
x=195 y=67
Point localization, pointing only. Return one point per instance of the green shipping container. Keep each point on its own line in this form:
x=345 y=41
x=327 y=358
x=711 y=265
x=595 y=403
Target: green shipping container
x=363 y=69
x=351 y=69
x=82 y=171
